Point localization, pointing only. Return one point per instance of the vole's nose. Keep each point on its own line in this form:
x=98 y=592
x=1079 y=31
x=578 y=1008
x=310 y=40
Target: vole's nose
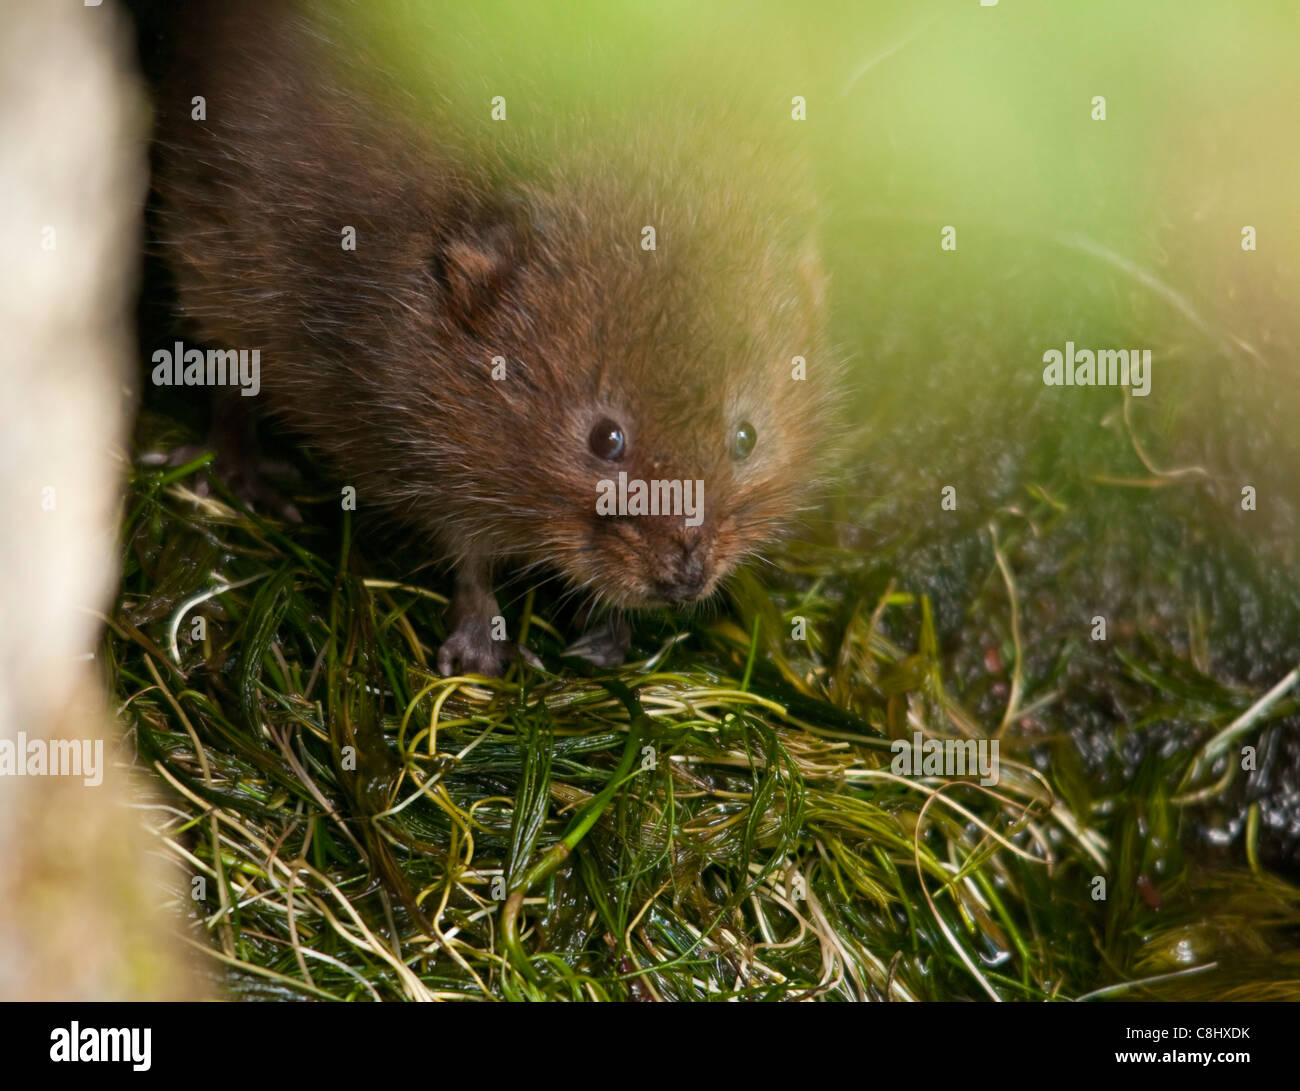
x=690 y=573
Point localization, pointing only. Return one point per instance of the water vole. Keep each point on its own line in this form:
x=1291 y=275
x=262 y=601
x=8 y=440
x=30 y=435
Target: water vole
x=501 y=346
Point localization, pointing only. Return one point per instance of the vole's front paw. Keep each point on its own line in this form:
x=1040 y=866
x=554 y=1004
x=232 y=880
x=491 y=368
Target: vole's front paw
x=470 y=650
x=473 y=615
x=605 y=645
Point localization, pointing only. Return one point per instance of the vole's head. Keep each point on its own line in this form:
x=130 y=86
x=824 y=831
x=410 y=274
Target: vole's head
x=661 y=412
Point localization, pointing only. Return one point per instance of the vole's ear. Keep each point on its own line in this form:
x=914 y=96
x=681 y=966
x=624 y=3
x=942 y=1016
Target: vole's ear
x=473 y=269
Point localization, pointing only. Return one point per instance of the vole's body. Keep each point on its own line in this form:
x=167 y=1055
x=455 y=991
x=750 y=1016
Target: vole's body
x=382 y=357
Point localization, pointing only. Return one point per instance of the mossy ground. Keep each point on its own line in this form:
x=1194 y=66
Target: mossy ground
x=731 y=826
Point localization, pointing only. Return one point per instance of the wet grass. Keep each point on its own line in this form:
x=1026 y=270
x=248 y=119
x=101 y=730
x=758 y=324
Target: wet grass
x=716 y=820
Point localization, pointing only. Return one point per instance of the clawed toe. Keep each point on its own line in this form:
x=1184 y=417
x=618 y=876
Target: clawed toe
x=606 y=645
x=470 y=653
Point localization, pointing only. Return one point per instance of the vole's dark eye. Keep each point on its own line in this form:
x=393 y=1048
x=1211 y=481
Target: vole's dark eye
x=744 y=439
x=607 y=440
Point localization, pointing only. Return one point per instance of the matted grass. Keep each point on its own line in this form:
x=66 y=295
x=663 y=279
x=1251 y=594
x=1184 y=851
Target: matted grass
x=715 y=820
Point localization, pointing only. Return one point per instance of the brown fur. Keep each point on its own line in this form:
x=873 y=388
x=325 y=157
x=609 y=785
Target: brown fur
x=381 y=358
